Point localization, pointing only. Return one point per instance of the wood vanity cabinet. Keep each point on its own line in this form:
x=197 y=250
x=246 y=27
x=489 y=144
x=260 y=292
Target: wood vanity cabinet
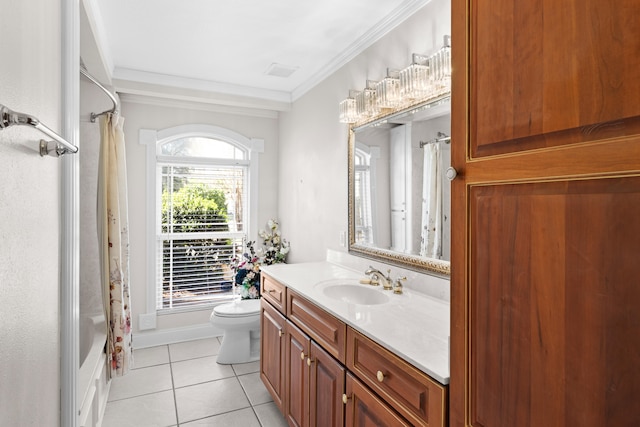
x=307 y=356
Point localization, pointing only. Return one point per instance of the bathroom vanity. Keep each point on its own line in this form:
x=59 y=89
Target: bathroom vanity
x=335 y=352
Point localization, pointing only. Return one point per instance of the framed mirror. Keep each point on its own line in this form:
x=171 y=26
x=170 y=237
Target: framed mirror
x=399 y=196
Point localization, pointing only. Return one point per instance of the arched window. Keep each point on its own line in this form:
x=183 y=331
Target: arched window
x=202 y=211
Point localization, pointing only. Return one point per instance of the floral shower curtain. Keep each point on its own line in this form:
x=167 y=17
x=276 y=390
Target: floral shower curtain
x=113 y=232
x=431 y=236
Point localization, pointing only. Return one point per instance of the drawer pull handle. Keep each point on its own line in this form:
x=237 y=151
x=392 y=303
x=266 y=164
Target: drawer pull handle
x=302 y=356
x=309 y=361
x=380 y=376
x=271 y=290
x=345 y=398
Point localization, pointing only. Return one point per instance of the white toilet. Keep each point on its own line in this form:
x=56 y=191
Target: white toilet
x=240 y=321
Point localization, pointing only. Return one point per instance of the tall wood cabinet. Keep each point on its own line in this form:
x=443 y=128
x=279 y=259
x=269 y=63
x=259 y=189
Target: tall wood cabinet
x=545 y=287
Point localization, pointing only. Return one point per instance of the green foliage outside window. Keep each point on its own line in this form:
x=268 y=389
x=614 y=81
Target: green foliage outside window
x=195 y=265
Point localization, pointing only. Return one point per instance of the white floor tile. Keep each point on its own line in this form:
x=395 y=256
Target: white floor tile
x=145 y=357
x=242 y=418
x=194 y=349
x=255 y=389
x=269 y=415
x=141 y=381
x=211 y=398
x=152 y=410
x=246 y=368
x=196 y=371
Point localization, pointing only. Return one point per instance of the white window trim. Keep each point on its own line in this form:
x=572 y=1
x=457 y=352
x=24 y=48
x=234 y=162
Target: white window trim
x=151 y=138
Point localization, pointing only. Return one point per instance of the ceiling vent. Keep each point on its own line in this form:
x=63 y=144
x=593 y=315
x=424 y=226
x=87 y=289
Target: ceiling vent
x=279 y=70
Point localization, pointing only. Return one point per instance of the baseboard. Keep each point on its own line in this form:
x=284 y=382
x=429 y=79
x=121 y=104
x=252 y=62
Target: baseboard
x=144 y=339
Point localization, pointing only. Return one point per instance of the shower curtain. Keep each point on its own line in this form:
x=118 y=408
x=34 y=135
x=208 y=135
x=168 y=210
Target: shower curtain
x=113 y=232
x=431 y=235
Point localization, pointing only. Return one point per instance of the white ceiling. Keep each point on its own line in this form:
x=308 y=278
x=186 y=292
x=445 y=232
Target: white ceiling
x=227 y=47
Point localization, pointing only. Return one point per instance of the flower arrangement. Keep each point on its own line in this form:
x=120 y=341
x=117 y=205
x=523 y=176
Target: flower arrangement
x=247 y=267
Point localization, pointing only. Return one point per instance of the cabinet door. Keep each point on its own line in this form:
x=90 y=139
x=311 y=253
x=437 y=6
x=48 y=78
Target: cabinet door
x=272 y=352
x=544 y=284
x=364 y=408
x=297 y=377
x=326 y=387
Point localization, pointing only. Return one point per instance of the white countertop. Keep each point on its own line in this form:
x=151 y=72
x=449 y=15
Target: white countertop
x=412 y=325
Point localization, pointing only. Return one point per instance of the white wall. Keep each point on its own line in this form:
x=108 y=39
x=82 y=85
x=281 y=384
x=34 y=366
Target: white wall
x=29 y=216
x=313 y=145
x=140 y=115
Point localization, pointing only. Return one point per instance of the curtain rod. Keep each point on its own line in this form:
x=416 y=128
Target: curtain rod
x=116 y=105
x=442 y=137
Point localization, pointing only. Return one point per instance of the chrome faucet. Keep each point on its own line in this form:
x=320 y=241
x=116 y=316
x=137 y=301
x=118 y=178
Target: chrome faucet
x=377 y=277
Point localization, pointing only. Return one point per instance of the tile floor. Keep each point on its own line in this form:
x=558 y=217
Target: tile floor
x=182 y=385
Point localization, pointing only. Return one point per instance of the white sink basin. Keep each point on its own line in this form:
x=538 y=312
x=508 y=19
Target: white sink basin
x=355 y=294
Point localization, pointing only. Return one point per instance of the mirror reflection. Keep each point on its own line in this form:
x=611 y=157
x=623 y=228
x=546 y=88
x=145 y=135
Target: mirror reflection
x=399 y=195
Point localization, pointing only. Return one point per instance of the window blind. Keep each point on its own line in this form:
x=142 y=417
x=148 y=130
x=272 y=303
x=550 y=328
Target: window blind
x=201 y=230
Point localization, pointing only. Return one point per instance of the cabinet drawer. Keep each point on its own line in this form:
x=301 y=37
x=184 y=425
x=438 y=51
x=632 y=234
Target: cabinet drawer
x=408 y=390
x=325 y=329
x=274 y=292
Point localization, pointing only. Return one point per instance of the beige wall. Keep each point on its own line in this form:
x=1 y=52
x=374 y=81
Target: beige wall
x=313 y=145
x=29 y=216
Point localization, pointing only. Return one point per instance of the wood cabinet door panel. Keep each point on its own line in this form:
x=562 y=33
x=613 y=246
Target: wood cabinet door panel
x=297 y=377
x=548 y=73
x=553 y=304
x=272 y=351
x=326 y=384
x=544 y=268
x=365 y=409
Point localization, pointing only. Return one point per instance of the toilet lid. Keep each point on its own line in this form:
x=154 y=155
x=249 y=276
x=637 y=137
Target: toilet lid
x=242 y=308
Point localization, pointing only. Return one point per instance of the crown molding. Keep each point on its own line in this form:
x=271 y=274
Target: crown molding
x=125 y=74
x=163 y=101
x=390 y=22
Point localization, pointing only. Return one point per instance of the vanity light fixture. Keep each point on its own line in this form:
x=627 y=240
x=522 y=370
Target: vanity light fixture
x=366 y=101
x=348 y=108
x=414 y=80
x=388 y=90
x=427 y=78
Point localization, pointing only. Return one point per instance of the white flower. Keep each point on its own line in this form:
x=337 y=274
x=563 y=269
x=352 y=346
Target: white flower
x=273 y=224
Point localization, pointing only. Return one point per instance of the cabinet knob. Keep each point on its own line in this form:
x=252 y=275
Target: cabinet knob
x=451 y=173
x=280 y=332
x=309 y=361
x=302 y=356
x=380 y=376
x=345 y=398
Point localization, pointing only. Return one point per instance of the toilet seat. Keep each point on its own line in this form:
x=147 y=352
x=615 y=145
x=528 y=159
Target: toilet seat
x=242 y=308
